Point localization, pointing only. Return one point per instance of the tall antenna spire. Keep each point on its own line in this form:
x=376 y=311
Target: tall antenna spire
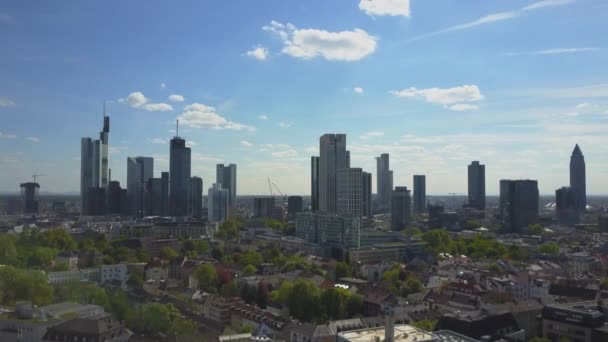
x=177 y=128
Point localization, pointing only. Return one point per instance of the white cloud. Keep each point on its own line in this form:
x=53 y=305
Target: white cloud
x=555 y=51
x=191 y=143
x=285 y=154
x=158 y=141
x=279 y=150
x=358 y=90
x=117 y=149
x=263 y=117
x=285 y=124
x=547 y=3
x=461 y=107
x=198 y=115
x=163 y=85
x=246 y=143
x=450 y=98
x=334 y=46
x=583 y=105
x=258 y=52
x=312 y=149
x=7 y=136
x=386 y=7
x=176 y=98
x=35 y=140
x=372 y=134
x=6 y=102
x=139 y=101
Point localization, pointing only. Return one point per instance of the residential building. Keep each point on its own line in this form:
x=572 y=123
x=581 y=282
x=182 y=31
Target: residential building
x=117 y=272
x=349 y=200
x=578 y=181
x=329 y=229
x=314 y=183
x=401 y=208
x=295 y=204
x=195 y=201
x=366 y=194
x=98 y=328
x=179 y=176
x=518 y=204
x=477 y=185
x=384 y=182
x=217 y=203
x=225 y=175
x=419 y=194
x=332 y=157
x=139 y=171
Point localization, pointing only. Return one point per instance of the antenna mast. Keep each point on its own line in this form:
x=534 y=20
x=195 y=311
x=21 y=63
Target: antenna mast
x=177 y=128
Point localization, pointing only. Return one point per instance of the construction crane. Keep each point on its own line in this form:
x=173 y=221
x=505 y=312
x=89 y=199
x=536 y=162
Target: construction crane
x=279 y=190
x=34 y=176
x=270 y=187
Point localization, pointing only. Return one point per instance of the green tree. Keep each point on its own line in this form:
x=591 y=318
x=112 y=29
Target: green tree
x=206 y=277
x=536 y=229
x=158 y=318
x=168 y=253
x=41 y=257
x=8 y=250
x=549 y=248
x=229 y=290
x=251 y=258
x=354 y=305
x=249 y=270
x=343 y=270
x=17 y=284
x=539 y=339
x=135 y=280
x=333 y=303
x=426 y=324
x=303 y=301
x=181 y=326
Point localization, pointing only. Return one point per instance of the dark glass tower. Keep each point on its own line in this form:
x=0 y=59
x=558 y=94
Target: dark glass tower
x=314 y=183
x=477 y=185
x=577 y=178
x=179 y=176
x=419 y=193
x=518 y=204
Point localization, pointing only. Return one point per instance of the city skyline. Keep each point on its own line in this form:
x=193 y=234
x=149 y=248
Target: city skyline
x=543 y=94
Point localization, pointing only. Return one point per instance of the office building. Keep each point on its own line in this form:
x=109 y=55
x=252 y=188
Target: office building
x=401 y=208
x=103 y=151
x=332 y=157
x=139 y=171
x=29 y=196
x=435 y=216
x=117 y=199
x=578 y=181
x=153 y=197
x=86 y=171
x=295 y=204
x=349 y=192
x=477 y=185
x=366 y=194
x=263 y=207
x=96 y=163
x=226 y=177
x=580 y=322
x=518 y=204
x=419 y=194
x=384 y=182
x=314 y=183
x=96 y=201
x=195 y=203
x=164 y=199
x=179 y=176
x=94 y=172
x=566 y=209
x=217 y=203
x=329 y=229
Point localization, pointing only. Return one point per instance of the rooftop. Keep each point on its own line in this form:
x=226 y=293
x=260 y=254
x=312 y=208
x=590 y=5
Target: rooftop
x=403 y=333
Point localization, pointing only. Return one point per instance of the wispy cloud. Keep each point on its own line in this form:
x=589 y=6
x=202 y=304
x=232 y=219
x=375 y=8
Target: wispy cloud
x=555 y=51
x=454 y=98
x=258 y=52
x=35 y=140
x=372 y=134
x=6 y=102
x=176 y=98
x=285 y=124
x=7 y=136
x=263 y=117
x=159 y=141
x=198 y=115
x=358 y=90
x=246 y=143
x=385 y=7
x=546 y=3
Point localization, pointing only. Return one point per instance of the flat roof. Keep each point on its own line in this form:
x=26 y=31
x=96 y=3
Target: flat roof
x=403 y=333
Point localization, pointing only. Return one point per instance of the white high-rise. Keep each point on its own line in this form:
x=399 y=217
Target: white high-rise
x=350 y=192
x=217 y=203
x=384 y=182
x=226 y=176
x=332 y=157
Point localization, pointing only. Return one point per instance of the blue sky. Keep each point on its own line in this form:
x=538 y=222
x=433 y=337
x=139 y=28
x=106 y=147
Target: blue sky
x=514 y=84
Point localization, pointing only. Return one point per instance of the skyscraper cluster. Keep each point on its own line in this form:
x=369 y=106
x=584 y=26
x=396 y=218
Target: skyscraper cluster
x=95 y=175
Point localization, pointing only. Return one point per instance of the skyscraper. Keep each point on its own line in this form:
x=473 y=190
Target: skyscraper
x=565 y=206
x=384 y=182
x=117 y=199
x=295 y=204
x=86 y=171
x=263 y=207
x=419 y=193
x=225 y=175
x=217 y=203
x=164 y=194
x=332 y=157
x=29 y=196
x=401 y=208
x=94 y=172
x=153 y=197
x=578 y=181
x=349 y=192
x=179 y=176
x=139 y=171
x=104 y=143
x=195 y=202
x=518 y=204
x=314 y=183
x=366 y=200
x=477 y=185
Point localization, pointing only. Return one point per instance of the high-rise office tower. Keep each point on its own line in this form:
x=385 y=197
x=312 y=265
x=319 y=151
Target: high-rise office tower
x=314 y=183
x=225 y=175
x=117 y=199
x=217 y=203
x=578 y=181
x=384 y=182
x=86 y=171
x=332 y=157
x=29 y=196
x=263 y=207
x=96 y=163
x=153 y=197
x=518 y=204
x=566 y=209
x=401 y=208
x=419 y=193
x=179 y=176
x=164 y=194
x=139 y=171
x=347 y=159
x=477 y=185
x=195 y=203
x=366 y=184
x=103 y=150
x=349 y=192
x=295 y=204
